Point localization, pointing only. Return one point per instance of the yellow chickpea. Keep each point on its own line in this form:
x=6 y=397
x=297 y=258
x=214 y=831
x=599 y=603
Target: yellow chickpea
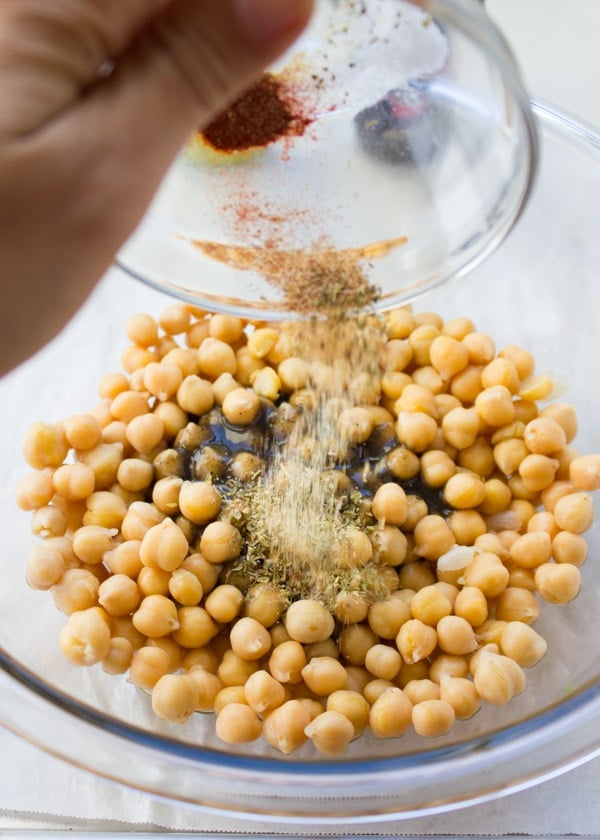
x=462 y=695
x=390 y=545
x=220 y=542
x=390 y=714
x=285 y=727
x=416 y=430
x=436 y=468
x=522 y=643
x=355 y=641
x=390 y=504
x=403 y=463
x=455 y=635
x=429 y=605
x=574 y=512
x=517 y=604
x=287 y=661
x=416 y=640
x=195 y=627
x=119 y=595
x=558 y=583
x=249 y=639
x=308 y=621
x=564 y=414
x=237 y=723
x=433 y=537
x=263 y=692
x=498 y=678
x=471 y=604
x=85 y=638
x=569 y=548
x=460 y=427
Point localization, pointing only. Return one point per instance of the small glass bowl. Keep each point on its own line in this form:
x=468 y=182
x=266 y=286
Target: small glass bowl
x=416 y=146
x=539 y=290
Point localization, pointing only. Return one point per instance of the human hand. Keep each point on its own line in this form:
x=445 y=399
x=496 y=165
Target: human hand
x=82 y=151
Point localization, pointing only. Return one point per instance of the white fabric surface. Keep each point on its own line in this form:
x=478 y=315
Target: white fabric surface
x=556 y=43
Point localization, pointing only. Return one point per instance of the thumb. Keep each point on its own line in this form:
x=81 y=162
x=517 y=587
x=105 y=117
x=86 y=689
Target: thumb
x=183 y=69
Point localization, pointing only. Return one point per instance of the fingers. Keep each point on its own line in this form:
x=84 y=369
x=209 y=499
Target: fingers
x=51 y=52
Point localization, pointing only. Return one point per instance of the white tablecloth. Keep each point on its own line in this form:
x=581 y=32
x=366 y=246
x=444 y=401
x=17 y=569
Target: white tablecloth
x=557 y=45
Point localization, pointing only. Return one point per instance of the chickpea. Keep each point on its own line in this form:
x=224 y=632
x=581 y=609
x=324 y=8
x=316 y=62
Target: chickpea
x=249 y=639
x=353 y=706
x=350 y=607
x=385 y=617
x=208 y=685
x=85 y=638
x=466 y=385
x=460 y=427
x=429 y=605
x=390 y=504
x=390 y=545
x=265 y=603
x=416 y=640
x=112 y=384
x=355 y=641
x=330 y=732
x=436 y=468
x=403 y=463
x=263 y=692
x=432 y=718
x=414 y=576
x=390 y=714
x=233 y=670
x=399 y=323
x=462 y=695
x=352 y=549
x=216 y=357
x=287 y=661
x=564 y=414
x=584 y=472
x=448 y=665
x=45 y=567
x=544 y=436
x=119 y=656
x=419 y=690
x=228 y=328
x=558 y=583
x=164 y=546
x=455 y=635
x=517 y=604
x=207 y=573
x=156 y=616
x=199 y=501
x=148 y=665
x=433 y=537
x=498 y=678
x=464 y=490
x=119 y=595
x=75 y=591
x=323 y=675
x=471 y=605
x=174 y=697
x=237 y=723
x=569 y=548
x=495 y=405
x=229 y=694
x=396 y=355
x=487 y=573
x=153 y=581
x=104 y=459
x=416 y=430
x=478 y=458
x=175 y=319
x=522 y=643
x=308 y=621
x=467 y=526
x=574 y=512
x=220 y=542
x=185 y=588
x=241 y=406
x=285 y=726
x=195 y=627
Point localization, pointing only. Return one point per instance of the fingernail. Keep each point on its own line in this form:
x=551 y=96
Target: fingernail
x=273 y=19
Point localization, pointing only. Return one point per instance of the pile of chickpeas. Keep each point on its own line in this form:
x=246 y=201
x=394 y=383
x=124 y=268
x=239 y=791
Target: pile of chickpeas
x=137 y=553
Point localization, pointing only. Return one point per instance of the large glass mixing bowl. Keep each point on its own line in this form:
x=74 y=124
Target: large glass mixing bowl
x=413 y=142
x=541 y=290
